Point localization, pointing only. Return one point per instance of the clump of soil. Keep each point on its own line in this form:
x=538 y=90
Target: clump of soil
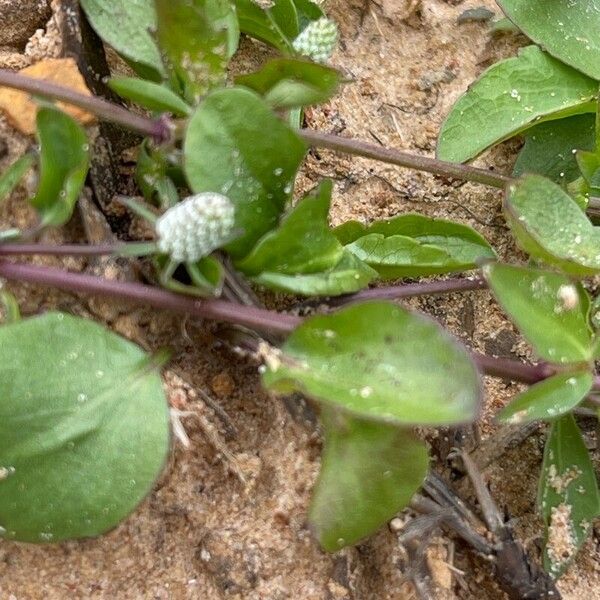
x=228 y=518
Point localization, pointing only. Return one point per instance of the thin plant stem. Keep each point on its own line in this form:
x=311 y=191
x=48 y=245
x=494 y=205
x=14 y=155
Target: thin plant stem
x=404 y=159
x=147 y=295
x=229 y=312
x=158 y=129
x=411 y=290
x=512 y=370
x=61 y=250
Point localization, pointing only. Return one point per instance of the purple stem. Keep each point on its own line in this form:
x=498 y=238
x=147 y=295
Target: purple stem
x=404 y=159
x=218 y=310
x=512 y=370
x=60 y=250
x=410 y=290
x=229 y=312
x=158 y=129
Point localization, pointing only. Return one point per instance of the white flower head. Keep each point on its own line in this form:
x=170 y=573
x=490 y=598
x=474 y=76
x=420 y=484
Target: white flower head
x=318 y=40
x=196 y=227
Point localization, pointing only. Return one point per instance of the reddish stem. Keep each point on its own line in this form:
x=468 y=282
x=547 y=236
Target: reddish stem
x=218 y=310
x=158 y=129
x=59 y=250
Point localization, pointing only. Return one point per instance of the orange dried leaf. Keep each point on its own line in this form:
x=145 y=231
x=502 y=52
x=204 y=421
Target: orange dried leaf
x=21 y=109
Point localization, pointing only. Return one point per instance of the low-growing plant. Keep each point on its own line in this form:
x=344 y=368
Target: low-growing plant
x=84 y=428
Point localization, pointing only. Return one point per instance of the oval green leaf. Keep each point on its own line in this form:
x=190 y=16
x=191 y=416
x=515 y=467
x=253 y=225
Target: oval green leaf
x=236 y=146
x=369 y=472
x=550 y=147
x=64 y=162
x=196 y=38
x=290 y=83
x=150 y=95
x=349 y=275
x=565 y=28
x=277 y=26
x=568 y=494
x=379 y=361
x=414 y=246
x=126 y=25
x=508 y=98
x=548 y=309
x=303 y=242
x=84 y=428
x=548 y=399
x=549 y=225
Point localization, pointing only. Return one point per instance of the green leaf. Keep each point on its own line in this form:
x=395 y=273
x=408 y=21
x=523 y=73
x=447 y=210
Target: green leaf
x=413 y=246
x=564 y=28
x=236 y=146
x=589 y=165
x=547 y=308
x=10 y=313
x=369 y=471
x=84 y=428
x=197 y=37
x=126 y=25
x=150 y=95
x=549 y=148
x=549 y=399
x=349 y=275
x=379 y=361
x=289 y=83
x=568 y=494
x=308 y=11
x=13 y=175
x=64 y=163
x=205 y=277
x=152 y=179
x=508 y=98
x=303 y=242
x=549 y=225
x=277 y=26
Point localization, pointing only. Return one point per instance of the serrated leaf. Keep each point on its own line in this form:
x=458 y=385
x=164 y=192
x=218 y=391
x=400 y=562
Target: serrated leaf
x=289 y=83
x=150 y=95
x=550 y=147
x=413 y=246
x=547 y=308
x=127 y=26
x=549 y=225
x=379 y=361
x=64 y=162
x=277 y=26
x=196 y=37
x=84 y=428
x=10 y=179
x=511 y=96
x=548 y=399
x=303 y=242
x=564 y=28
x=349 y=275
x=236 y=146
x=568 y=494
x=369 y=471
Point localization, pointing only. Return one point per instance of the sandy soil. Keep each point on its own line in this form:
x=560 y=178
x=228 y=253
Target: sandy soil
x=228 y=518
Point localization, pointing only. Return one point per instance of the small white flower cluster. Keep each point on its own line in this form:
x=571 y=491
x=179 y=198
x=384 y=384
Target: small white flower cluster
x=318 y=40
x=195 y=227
